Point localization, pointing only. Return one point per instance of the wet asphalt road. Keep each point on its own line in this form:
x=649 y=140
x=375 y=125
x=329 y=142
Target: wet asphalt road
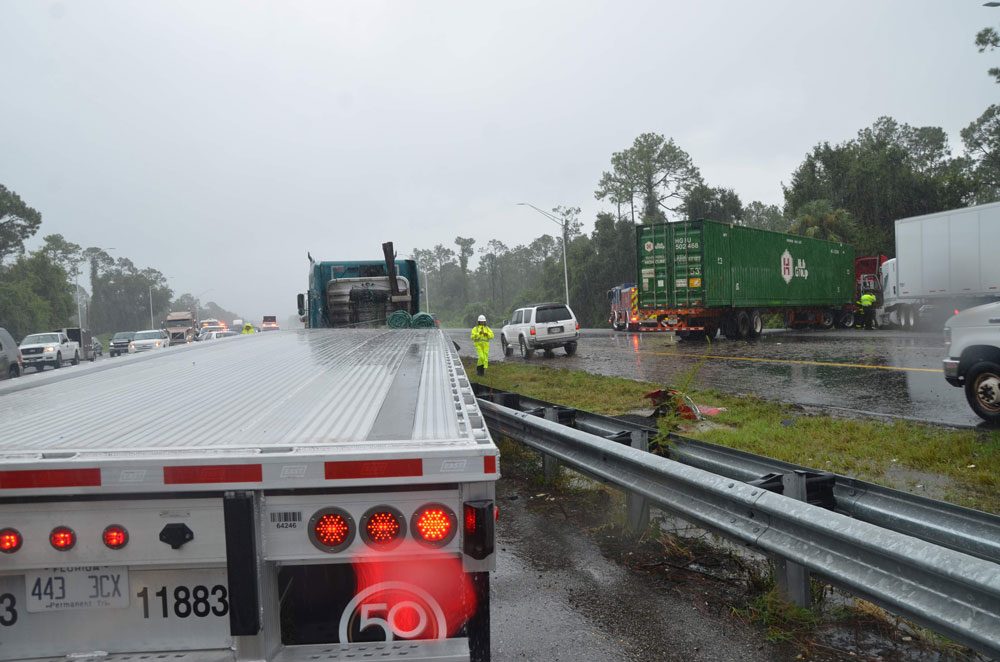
x=888 y=373
x=555 y=597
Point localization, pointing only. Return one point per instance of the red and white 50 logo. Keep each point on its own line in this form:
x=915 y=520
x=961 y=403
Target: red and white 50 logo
x=399 y=609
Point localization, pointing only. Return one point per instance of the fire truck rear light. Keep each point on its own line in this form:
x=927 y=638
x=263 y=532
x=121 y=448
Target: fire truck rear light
x=115 y=537
x=62 y=538
x=479 y=519
x=331 y=529
x=383 y=527
x=434 y=525
x=10 y=540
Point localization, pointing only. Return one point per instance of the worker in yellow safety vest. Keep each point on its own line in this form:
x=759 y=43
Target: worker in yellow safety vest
x=481 y=337
x=248 y=329
x=867 y=303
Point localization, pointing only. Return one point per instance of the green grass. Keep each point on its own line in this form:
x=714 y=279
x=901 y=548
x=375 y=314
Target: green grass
x=960 y=466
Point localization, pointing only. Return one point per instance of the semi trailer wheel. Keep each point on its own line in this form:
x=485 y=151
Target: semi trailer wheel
x=756 y=324
x=743 y=324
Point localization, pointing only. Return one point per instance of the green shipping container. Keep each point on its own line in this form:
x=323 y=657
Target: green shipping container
x=708 y=264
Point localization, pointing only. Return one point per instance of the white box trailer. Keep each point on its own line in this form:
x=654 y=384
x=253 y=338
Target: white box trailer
x=320 y=494
x=944 y=261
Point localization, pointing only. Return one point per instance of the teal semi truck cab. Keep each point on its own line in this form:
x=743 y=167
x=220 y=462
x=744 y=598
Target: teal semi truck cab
x=359 y=293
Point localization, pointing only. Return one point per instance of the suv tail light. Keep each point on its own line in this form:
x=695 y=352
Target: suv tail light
x=383 y=527
x=62 y=538
x=10 y=540
x=478 y=519
x=434 y=525
x=531 y=331
x=577 y=326
x=115 y=537
x=331 y=529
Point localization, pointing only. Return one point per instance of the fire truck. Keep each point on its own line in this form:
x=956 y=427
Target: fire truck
x=625 y=312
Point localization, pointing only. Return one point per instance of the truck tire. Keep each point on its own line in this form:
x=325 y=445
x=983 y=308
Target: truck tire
x=76 y=358
x=756 y=324
x=982 y=390
x=479 y=625
x=729 y=328
x=58 y=363
x=13 y=372
x=570 y=348
x=526 y=352
x=743 y=324
x=508 y=351
x=846 y=320
x=826 y=319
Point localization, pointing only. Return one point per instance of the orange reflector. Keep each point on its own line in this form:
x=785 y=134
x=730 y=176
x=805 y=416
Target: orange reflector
x=62 y=538
x=115 y=537
x=10 y=540
x=434 y=524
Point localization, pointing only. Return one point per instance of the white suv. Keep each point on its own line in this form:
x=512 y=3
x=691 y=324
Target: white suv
x=973 y=339
x=544 y=326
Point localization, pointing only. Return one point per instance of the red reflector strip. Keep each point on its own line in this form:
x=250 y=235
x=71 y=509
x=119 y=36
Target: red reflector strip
x=490 y=464
x=373 y=469
x=23 y=480
x=213 y=473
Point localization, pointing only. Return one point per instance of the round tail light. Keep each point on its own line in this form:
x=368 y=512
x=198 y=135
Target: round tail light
x=115 y=536
x=62 y=538
x=434 y=525
x=10 y=540
x=331 y=529
x=383 y=527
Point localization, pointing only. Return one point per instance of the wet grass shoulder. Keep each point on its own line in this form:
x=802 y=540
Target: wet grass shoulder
x=960 y=466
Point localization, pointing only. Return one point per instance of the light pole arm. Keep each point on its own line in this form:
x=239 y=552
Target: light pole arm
x=564 y=224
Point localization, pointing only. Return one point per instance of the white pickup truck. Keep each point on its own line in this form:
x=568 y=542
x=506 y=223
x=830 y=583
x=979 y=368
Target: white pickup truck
x=340 y=508
x=973 y=339
x=41 y=349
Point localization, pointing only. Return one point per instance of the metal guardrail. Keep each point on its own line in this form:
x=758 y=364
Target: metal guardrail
x=952 y=593
x=965 y=530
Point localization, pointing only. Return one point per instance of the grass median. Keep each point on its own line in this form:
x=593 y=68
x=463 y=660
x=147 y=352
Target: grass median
x=960 y=466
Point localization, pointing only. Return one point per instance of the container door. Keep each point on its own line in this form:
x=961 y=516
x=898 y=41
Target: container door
x=716 y=265
x=687 y=248
x=652 y=247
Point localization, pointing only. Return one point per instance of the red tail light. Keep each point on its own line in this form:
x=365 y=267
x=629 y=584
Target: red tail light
x=62 y=538
x=331 y=529
x=10 y=540
x=115 y=536
x=577 y=326
x=531 y=330
x=434 y=524
x=383 y=527
x=479 y=520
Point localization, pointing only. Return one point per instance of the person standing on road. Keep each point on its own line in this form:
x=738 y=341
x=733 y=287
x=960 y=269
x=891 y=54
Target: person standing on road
x=248 y=329
x=481 y=337
x=867 y=303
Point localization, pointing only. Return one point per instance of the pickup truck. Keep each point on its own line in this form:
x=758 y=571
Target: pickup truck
x=54 y=348
x=973 y=339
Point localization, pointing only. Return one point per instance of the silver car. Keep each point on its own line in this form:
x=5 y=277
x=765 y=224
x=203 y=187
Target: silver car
x=151 y=339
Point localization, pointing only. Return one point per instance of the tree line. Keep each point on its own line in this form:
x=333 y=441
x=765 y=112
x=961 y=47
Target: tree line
x=852 y=191
x=62 y=284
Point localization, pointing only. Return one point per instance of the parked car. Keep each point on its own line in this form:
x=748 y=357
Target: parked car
x=151 y=339
x=96 y=348
x=11 y=364
x=269 y=323
x=121 y=343
x=54 y=348
x=973 y=339
x=215 y=335
x=543 y=326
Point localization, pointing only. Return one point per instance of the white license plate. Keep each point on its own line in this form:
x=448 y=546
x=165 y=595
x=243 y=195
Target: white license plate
x=555 y=329
x=84 y=587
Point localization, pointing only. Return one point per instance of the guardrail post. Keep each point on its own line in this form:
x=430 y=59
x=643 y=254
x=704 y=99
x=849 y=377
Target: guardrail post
x=792 y=578
x=637 y=506
x=550 y=465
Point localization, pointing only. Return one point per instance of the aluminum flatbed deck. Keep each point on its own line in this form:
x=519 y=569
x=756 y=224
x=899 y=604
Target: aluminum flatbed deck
x=318 y=407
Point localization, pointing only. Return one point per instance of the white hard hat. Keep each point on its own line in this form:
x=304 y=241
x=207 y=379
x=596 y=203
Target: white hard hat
x=482 y=318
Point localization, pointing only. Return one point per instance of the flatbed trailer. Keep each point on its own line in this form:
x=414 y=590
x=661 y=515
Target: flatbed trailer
x=298 y=495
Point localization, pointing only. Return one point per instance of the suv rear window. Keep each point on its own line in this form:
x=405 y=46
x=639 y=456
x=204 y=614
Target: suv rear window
x=552 y=314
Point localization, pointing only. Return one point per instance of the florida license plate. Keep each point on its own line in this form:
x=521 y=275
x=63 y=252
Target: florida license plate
x=83 y=587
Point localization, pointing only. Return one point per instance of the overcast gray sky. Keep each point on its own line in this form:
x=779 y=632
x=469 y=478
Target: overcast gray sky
x=220 y=141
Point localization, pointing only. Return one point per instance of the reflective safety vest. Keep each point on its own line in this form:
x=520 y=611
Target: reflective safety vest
x=867 y=300
x=481 y=333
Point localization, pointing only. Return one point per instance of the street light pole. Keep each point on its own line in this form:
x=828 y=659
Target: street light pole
x=564 y=224
x=151 y=325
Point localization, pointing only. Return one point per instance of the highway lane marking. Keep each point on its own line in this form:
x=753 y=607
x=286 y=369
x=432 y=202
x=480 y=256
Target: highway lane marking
x=796 y=362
